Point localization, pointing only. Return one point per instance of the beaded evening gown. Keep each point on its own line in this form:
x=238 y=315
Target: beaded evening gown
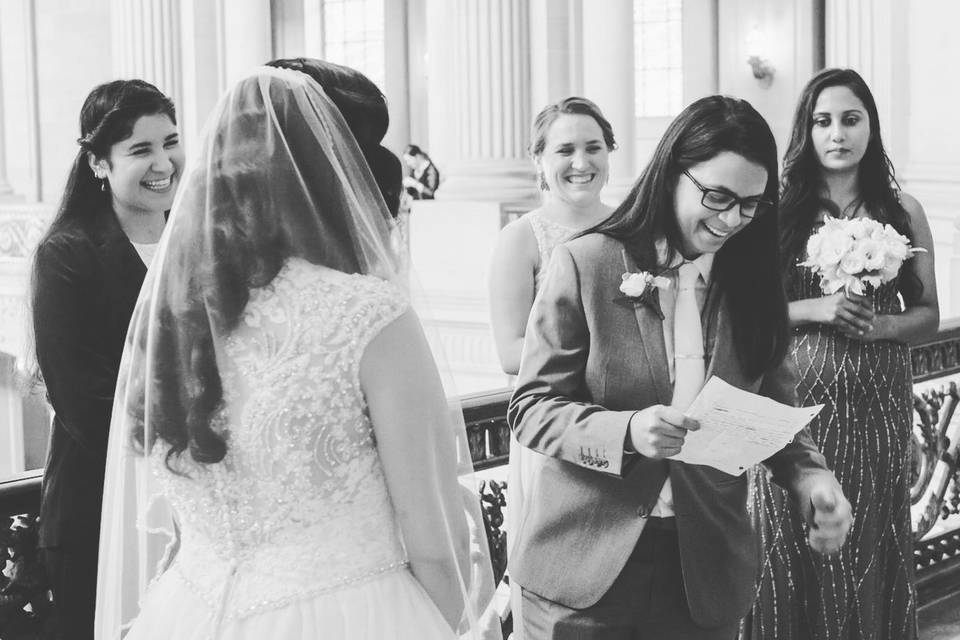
x=867 y=591
x=293 y=535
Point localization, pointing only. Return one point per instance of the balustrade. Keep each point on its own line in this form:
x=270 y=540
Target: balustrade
x=935 y=491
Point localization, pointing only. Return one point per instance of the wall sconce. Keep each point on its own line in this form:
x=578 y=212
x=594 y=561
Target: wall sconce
x=761 y=68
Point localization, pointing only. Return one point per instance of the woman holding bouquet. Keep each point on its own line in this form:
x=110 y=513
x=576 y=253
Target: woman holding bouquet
x=852 y=352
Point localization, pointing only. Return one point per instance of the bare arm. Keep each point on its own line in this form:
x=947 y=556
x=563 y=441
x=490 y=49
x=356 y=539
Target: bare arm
x=511 y=291
x=416 y=444
x=921 y=316
x=853 y=315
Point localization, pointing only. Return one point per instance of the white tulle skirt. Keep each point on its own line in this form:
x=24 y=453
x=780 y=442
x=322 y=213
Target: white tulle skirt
x=392 y=606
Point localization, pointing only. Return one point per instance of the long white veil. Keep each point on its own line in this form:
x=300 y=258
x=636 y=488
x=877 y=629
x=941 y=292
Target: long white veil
x=276 y=174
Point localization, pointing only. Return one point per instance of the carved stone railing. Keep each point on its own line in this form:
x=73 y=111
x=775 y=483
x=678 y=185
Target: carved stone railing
x=25 y=606
x=935 y=491
x=24 y=602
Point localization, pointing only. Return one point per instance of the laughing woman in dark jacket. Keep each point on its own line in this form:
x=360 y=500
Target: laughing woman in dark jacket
x=87 y=274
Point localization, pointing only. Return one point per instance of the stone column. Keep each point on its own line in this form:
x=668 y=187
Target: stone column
x=608 y=80
x=20 y=149
x=870 y=36
x=146 y=43
x=5 y=188
x=479 y=77
x=556 y=51
x=246 y=36
x=190 y=49
x=11 y=420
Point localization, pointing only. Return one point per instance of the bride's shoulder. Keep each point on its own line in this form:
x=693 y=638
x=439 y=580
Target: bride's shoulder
x=346 y=290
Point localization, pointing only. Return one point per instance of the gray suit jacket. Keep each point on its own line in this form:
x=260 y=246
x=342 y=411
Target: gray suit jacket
x=590 y=360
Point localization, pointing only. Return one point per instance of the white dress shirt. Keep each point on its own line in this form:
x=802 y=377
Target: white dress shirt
x=668 y=299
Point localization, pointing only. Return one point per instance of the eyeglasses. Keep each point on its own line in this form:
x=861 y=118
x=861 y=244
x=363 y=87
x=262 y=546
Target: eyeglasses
x=721 y=201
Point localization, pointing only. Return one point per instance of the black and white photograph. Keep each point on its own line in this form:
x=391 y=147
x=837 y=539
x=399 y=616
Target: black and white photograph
x=479 y=320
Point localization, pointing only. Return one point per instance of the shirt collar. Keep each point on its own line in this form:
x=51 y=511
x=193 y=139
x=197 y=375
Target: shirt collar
x=704 y=262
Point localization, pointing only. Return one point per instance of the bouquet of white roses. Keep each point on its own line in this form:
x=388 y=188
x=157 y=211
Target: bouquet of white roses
x=852 y=253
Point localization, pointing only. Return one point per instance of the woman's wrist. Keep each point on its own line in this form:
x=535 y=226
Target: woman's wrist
x=884 y=328
x=799 y=312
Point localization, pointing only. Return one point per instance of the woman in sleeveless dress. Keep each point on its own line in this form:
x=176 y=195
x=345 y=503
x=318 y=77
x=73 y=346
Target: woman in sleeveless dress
x=853 y=357
x=283 y=460
x=571 y=144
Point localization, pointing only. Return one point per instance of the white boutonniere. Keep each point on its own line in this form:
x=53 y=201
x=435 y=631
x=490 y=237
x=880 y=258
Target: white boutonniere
x=643 y=288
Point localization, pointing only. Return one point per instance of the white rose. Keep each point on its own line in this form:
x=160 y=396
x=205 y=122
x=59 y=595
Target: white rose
x=890 y=269
x=830 y=280
x=813 y=248
x=854 y=262
x=897 y=245
x=833 y=247
x=859 y=228
x=634 y=284
x=874 y=253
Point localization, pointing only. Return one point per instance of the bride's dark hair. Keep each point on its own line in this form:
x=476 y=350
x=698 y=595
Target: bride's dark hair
x=240 y=245
x=364 y=107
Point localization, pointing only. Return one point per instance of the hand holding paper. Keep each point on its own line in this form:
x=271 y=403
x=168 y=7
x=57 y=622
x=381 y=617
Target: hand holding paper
x=738 y=429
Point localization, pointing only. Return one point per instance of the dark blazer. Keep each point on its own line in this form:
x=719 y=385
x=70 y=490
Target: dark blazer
x=590 y=360
x=87 y=282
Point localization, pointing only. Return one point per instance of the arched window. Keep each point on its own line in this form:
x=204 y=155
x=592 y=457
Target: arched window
x=353 y=35
x=658 y=57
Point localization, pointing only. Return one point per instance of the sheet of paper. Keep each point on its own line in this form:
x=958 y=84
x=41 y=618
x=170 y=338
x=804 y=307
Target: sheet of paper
x=738 y=429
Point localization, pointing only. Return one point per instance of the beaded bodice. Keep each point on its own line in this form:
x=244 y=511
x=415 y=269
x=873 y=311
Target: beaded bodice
x=299 y=505
x=548 y=234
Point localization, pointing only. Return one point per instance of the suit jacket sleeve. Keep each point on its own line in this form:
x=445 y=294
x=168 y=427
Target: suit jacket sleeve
x=552 y=409
x=79 y=377
x=800 y=462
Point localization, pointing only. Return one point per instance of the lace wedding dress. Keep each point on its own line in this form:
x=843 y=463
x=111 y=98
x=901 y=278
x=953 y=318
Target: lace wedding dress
x=293 y=534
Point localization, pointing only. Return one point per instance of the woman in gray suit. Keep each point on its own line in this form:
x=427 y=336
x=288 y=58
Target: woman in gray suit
x=618 y=540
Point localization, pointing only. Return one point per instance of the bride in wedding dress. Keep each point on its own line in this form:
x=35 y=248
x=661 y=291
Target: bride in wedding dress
x=283 y=460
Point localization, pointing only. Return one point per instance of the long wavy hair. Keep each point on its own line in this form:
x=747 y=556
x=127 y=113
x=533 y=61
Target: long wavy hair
x=250 y=242
x=803 y=188
x=107 y=117
x=746 y=265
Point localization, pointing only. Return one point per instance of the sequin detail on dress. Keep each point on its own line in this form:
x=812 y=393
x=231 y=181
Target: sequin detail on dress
x=299 y=506
x=866 y=592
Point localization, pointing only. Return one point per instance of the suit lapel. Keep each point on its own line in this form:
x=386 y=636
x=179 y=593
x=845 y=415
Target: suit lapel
x=651 y=337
